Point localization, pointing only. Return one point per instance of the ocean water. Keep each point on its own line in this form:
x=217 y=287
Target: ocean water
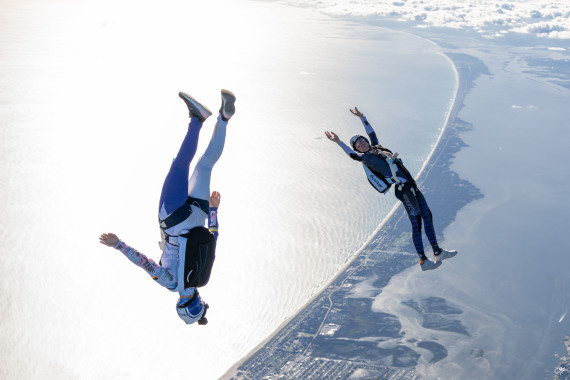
x=90 y=123
x=510 y=278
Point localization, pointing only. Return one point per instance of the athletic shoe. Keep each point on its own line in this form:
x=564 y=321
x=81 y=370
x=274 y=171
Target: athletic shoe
x=196 y=109
x=444 y=254
x=429 y=264
x=228 y=108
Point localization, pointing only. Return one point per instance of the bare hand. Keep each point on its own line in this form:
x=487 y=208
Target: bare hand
x=215 y=199
x=110 y=240
x=356 y=112
x=332 y=136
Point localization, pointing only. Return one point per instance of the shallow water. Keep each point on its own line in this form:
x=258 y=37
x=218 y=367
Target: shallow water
x=90 y=122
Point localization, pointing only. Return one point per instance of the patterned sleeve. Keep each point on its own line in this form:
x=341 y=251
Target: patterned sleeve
x=213 y=221
x=157 y=272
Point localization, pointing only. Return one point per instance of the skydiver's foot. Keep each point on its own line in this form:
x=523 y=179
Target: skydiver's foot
x=228 y=108
x=428 y=264
x=194 y=107
x=443 y=254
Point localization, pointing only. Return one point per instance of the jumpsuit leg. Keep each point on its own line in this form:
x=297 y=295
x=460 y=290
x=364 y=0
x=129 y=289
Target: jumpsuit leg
x=413 y=210
x=199 y=184
x=427 y=219
x=175 y=188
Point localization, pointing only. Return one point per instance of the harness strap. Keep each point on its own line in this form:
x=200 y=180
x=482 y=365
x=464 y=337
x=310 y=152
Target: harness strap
x=393 y=169
x=183 y=212
x=402 y=186
x=178 y=216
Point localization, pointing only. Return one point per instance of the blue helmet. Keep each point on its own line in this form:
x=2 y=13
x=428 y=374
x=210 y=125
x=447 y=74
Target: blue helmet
x=356 y=137
x=192 y=310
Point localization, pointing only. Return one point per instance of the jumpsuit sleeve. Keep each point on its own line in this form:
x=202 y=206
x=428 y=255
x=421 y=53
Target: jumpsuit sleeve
x=213 y=221
x=369 y=131
x=352 y=154
x=157 y=272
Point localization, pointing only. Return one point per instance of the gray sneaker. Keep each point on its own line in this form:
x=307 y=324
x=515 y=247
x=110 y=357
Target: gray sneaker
x=194 y=107
x=443 y=254
x=228 y=108
x=430 y=264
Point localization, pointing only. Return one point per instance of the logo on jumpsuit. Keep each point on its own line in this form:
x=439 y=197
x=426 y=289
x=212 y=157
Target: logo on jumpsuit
x=410 y=206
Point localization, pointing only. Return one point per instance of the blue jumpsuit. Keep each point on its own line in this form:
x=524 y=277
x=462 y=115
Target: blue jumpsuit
x=406 y=191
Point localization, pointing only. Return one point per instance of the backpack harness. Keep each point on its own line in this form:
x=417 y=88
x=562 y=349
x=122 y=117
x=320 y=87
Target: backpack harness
x=179 y=215
x=198 y=245
x=183 y=212
x=379 y=181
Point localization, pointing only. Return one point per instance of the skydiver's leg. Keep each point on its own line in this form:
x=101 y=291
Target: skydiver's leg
x=439 y=253
x=427 y=219
x=412 y=208
x=199 y=183
x=175 y=188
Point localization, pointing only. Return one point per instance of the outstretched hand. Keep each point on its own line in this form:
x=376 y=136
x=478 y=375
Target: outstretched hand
x=215 y=199
x=332 y=136
x=356 y=112
x=110 y=240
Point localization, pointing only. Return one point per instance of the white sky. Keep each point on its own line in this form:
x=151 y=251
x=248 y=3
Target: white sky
x=544 y=18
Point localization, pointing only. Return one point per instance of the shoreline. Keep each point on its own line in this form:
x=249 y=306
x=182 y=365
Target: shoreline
x=449 y=130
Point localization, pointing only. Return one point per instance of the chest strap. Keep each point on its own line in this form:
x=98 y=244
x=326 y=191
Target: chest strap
x=393 y=168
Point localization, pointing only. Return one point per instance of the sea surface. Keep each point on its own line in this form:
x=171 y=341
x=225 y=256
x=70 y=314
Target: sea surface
x=90 y=121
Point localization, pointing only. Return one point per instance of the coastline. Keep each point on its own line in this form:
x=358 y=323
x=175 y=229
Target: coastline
x=313 y=263
x=231 y=333
x=396 y=248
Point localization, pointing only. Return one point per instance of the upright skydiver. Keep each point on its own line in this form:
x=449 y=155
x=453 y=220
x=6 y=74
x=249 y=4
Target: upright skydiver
x=185 y=204
x=384 y=169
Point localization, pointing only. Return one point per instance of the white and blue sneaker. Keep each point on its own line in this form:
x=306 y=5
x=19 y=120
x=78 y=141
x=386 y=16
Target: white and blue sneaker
x=228 y=108
x=194 y=107
x=443 y=254
x=429 y=264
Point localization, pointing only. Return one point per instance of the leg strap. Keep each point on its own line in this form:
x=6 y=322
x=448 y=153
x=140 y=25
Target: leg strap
x=183 y=212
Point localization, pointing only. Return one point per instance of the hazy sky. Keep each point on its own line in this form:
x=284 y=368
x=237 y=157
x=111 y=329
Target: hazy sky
x=544 y=18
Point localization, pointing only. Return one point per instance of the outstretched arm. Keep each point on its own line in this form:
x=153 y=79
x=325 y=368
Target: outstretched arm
x=334 y=138
x=157 y=272
x=369 y=131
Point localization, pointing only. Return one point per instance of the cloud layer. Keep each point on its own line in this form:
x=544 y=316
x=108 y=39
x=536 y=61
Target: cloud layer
x=543 y=18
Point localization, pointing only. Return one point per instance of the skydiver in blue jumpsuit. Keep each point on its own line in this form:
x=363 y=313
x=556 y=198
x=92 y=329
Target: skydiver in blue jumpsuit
x=385 y=170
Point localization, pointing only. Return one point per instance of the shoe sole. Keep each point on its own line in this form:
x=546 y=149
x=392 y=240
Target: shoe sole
x=191 y=102
x=432 y=268
x=229 y=99
x=437 y=259
x=228 y=92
